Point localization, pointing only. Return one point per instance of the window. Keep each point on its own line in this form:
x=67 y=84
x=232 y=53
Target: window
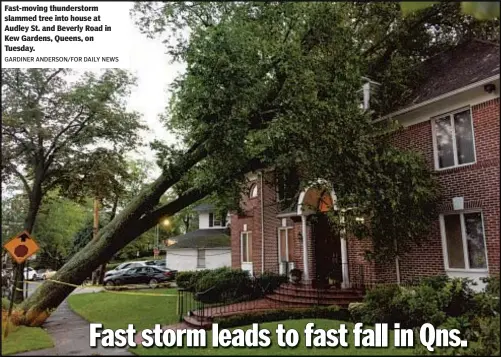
x=285 y=244
x=201 y=258
x=287 y=189
x=215 y=221
x=253 y=191
x=464 y=241
x=246 y=247
x=454 y=139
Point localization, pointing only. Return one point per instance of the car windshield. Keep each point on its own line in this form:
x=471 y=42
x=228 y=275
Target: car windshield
x=122 y=266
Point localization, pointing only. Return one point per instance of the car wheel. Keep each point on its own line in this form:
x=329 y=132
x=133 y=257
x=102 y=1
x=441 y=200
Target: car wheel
x=153 y=283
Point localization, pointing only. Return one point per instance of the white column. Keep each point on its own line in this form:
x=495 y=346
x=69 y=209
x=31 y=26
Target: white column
x=344 y=255
x=305 y=248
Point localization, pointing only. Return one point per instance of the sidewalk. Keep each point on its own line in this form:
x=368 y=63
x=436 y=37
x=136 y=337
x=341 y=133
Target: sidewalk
x=70 y=334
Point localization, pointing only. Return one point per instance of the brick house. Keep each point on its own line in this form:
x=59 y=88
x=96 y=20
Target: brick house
x=453 y=119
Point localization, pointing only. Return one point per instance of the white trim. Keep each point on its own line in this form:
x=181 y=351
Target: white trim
x=286 y=229
x=300 y=200
x=443 y=234
x=305 y=248
x=450 y=116
x=436 y=99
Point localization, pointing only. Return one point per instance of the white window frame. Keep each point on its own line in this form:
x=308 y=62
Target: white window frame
x=464 y=241
x=450 y=115
x=242 y=246
x=253 y=189
x=212 y=224
x=198 y=258
x=286 y=229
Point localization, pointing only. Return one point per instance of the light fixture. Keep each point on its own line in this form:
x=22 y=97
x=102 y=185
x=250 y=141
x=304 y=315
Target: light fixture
x=166 y=222
x=490 y=88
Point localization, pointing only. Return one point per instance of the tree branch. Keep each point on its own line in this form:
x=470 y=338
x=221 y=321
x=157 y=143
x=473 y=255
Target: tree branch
x=22 y=178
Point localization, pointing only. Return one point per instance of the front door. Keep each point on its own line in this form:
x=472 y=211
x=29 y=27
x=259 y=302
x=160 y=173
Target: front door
x=327 y=245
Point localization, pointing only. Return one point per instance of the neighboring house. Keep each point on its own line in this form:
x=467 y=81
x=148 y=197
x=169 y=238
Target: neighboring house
x=208 y=247
x=453 y=119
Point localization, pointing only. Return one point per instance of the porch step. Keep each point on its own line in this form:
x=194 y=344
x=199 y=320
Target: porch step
x=311 y=293
x=311 y=301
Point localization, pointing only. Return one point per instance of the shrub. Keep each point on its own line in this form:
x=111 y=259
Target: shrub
x=223 y=285
x=189 y=279
x=269 y=281
x=5 y=303
x=183 y=279
x=378 y=305
x=432 y=300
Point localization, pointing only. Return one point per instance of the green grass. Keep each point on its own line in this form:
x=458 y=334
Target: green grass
x=274 y=349
x=22 y=339
x=118 y=309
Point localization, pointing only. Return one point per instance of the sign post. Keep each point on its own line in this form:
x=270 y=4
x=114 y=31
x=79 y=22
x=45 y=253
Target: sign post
x=20 y=247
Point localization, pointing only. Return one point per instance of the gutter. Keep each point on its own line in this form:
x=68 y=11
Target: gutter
x=440 y=97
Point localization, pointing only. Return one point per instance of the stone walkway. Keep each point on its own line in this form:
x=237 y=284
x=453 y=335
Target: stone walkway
x=71 y=336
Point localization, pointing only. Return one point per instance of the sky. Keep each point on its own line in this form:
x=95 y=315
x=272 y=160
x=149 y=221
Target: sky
x=152 y=66
x=148 y=61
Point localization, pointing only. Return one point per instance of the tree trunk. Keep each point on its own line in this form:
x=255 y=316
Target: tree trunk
x=112 y=215
x=95 y=230
x=130 y=223
x=127 y=225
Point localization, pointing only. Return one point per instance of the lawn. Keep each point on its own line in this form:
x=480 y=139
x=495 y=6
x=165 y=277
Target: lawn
x=117 y=310
x=22 y=338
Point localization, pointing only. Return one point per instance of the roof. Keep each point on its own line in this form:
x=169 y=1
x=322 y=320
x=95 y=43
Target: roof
x=203 y=238
x=453 y=69
x=204 y=207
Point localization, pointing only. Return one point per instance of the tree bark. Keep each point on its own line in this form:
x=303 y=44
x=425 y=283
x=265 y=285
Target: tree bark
x=95 y=230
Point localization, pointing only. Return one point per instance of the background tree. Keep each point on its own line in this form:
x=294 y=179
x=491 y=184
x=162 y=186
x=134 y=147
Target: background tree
x=58 y=221
x=51 y=124
x=268 y=85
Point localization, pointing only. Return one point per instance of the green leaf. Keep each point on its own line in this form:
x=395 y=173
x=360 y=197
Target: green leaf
x=412 y=6
x=481 y=10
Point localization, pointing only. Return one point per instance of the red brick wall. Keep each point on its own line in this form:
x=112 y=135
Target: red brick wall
x=477 y=183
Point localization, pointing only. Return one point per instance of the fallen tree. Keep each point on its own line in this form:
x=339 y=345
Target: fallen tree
x=270 y=85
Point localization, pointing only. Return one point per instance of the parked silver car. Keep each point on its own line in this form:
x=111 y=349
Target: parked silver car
x=123 y=266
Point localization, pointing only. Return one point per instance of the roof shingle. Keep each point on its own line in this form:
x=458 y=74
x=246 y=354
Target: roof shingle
x=459 y=67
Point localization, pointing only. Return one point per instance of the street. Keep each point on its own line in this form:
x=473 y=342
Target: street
x=33 y=285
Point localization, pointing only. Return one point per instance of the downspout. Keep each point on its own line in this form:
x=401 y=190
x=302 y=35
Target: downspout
x=262 y=224
x=397 y=263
